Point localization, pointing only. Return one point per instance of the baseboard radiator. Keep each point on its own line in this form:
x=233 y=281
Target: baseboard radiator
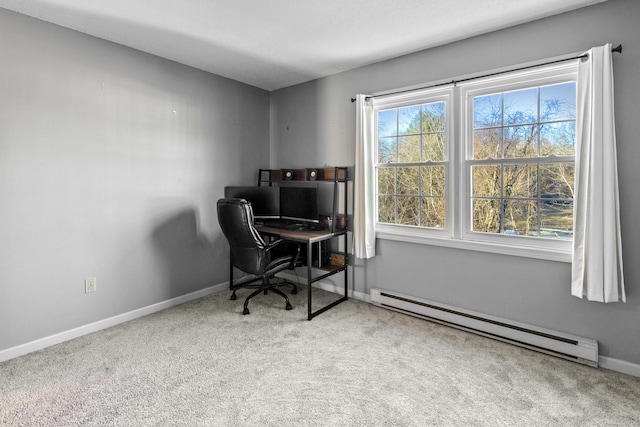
x=577 y=349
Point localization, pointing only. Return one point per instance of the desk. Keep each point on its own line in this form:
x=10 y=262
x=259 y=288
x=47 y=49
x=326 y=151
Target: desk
x=311 y=237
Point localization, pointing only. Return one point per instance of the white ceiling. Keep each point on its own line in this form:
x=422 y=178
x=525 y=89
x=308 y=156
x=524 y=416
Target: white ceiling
x=279 y=43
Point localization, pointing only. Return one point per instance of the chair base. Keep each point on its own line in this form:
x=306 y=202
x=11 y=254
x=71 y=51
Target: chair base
x=265 y=288
x=288 y=305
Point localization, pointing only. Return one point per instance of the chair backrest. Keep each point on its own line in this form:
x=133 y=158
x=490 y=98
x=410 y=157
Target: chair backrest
x=247 y=246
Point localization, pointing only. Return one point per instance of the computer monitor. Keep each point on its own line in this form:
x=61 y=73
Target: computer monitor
x=265 y=201
x=299 y=204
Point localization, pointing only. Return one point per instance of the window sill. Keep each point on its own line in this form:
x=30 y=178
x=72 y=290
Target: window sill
x=494 y=248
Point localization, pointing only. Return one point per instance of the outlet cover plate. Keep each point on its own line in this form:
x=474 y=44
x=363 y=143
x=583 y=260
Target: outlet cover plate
x=89 y=285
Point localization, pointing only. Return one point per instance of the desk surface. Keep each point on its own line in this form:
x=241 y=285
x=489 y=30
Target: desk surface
x=310 y=236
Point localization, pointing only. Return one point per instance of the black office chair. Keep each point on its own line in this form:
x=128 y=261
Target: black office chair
x=251 y=255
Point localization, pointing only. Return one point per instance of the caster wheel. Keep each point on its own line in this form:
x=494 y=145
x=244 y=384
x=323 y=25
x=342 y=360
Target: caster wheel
x=294 y=291
x=233 y=297
x=288 y=307
x=245 y=311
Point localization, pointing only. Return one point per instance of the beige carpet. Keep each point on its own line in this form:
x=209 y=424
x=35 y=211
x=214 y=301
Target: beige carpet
x=205 y=364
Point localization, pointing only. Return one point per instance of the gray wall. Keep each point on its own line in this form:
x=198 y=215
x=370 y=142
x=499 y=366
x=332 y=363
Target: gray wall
x=314 y=123
x=111 y=162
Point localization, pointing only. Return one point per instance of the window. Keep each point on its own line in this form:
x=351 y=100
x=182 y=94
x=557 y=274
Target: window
x=412 y=161
x=505 y=179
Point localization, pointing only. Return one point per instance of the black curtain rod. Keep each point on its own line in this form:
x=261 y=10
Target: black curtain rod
x=617 y=49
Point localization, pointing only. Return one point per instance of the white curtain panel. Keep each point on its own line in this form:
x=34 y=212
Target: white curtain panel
x=364 y=222
x=597 y=249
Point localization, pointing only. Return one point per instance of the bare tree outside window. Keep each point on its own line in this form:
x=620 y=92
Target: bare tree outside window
x=522 y=169
x=411 y=171
x=483 y=163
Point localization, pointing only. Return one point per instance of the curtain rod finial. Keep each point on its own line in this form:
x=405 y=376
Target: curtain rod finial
x=617 y=49
x=366 y=99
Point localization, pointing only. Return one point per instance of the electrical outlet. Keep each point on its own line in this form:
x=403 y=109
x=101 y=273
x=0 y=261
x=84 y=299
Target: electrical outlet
x=89 y=285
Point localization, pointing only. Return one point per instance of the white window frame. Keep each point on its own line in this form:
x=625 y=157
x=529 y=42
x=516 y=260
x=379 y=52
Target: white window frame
x=418 y=97
x=458 y=136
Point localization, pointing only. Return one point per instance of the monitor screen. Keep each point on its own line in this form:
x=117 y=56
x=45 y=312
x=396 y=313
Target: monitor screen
x=299 y=204
x=265 y=201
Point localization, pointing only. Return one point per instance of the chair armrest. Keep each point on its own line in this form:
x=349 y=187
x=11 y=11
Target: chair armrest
x=275 y=243
x=279 y=242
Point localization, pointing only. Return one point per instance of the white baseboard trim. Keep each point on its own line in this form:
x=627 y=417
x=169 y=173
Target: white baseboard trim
x=618 y=365
x=43 y=343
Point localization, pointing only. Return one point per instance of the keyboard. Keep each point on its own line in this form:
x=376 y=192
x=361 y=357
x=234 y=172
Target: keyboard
x=287 y=225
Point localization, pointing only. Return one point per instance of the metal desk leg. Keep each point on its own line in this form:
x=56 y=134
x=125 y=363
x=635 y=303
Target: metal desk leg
x=309 y=271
